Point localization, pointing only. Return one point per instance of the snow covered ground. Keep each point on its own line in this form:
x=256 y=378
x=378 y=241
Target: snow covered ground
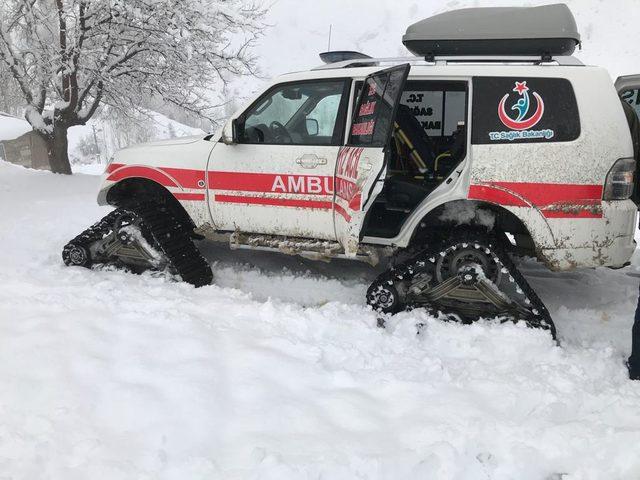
x=278 y=370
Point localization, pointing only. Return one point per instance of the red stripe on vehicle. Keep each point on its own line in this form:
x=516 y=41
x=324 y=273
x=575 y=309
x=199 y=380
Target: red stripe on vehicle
x=575 y=214
x=283 y=202
x=142 y=172
x=247 y=182
x=169 y=177
x=279 y=202
x=271 y=183
x=555 y=200
x=189 y=196
x=496 y=195
x=113 y=167
x=187 y=178
x=356 y=202
x=540 y=194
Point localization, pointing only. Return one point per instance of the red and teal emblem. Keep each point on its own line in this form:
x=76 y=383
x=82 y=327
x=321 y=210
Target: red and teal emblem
x=522 y=121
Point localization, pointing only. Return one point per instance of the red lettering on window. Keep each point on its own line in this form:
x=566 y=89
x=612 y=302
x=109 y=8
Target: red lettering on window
x=367 y=109
x=364 y=128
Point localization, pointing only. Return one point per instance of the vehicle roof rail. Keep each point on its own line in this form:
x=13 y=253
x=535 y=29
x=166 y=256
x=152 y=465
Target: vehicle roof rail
x=562 y=60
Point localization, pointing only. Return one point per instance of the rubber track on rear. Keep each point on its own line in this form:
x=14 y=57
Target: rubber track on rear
x=405 y=271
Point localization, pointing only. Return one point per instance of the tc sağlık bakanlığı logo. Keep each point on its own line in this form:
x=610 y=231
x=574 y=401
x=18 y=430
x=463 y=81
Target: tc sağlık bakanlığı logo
x=520 y=126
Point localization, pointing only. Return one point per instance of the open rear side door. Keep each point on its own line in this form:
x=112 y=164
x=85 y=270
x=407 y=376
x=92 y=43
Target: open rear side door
x=361 y=167
x=629 y=90
x=628 y=87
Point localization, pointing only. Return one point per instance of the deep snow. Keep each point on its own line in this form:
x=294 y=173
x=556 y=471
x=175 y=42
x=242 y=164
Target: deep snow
x=278 y=370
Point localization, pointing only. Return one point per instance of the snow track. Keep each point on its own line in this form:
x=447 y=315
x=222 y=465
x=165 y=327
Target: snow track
x=277 y=370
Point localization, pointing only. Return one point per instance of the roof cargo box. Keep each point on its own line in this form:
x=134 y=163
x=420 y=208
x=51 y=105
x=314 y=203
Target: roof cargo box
x=546 y=30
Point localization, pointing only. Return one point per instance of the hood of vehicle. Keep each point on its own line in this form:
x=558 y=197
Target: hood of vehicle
x=173 y=141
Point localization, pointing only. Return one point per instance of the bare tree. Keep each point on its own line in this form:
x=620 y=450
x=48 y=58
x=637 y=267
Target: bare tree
x=68 y=57
x=10 y=101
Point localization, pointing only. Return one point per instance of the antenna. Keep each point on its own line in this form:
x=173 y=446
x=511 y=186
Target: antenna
x=329 y=47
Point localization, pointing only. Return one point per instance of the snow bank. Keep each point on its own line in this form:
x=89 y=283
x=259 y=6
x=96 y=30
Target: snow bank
x=12 y=127
x=278 y=370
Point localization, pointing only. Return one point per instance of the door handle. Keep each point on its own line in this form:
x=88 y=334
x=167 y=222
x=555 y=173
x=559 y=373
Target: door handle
x=310 y=160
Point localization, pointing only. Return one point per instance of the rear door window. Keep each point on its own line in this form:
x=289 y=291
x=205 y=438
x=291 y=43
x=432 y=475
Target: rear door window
x=376 y=107
x=523 y=110
x=439 y=106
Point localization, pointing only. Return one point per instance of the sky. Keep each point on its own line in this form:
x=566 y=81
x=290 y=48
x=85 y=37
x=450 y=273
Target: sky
x=299 y=30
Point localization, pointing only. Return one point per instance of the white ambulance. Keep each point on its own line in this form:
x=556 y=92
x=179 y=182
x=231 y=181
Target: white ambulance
x=486 y=144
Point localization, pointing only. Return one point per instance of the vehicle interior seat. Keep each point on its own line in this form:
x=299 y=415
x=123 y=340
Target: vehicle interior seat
x=407 y=189
x=409 y=132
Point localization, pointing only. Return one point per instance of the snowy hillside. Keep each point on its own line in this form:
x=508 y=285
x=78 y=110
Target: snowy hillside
x=111 y=134
x=277 y=371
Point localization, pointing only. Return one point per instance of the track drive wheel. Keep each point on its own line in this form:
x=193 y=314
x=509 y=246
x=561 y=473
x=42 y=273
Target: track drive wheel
x=76 y=254
x=383 y=297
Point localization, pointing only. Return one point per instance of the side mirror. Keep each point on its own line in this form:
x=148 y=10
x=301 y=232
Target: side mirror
x=230 y=133
x=313 y=127
x=227 y=134
x=237 y=129
x=235 y=132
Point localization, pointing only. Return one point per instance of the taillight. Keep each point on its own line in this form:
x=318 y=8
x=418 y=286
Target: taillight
x=619 y=184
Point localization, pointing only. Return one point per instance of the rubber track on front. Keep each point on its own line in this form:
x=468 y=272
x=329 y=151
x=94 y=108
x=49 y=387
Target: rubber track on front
x=170 y=236
x=95 y=232
x=175 y=242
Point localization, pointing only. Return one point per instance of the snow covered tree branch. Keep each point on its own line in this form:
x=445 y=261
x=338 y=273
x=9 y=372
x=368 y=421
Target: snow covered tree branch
x=68 y=57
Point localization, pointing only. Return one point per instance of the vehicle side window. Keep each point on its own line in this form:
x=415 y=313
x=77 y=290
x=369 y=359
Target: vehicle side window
x=304 y=113
x=523 y=110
